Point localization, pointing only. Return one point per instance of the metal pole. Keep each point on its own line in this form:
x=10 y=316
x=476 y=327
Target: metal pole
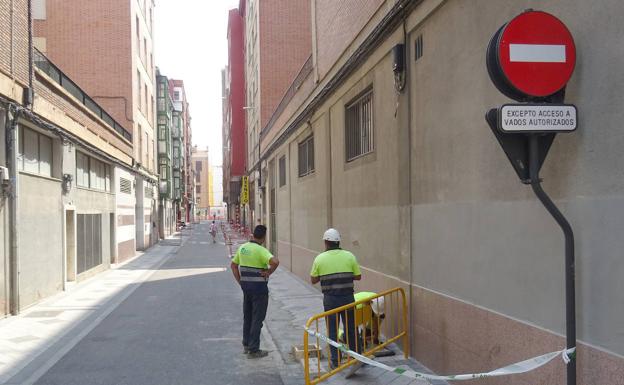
x=569 y=253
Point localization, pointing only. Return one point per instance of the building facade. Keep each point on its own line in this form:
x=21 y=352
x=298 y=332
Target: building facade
x=164 y=106
x=405 y=166
x=271 y=63
x=234 y=138
x=63 y=158
x=183 y=177
x=201 y=166
x=122 y=81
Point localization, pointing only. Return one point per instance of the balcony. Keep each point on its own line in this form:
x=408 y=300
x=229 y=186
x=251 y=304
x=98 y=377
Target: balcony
x=46 y=66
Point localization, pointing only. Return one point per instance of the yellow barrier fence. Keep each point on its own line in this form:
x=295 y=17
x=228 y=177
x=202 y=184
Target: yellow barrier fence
x=379 y=321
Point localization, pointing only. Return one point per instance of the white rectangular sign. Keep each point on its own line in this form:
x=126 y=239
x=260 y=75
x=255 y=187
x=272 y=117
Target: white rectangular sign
x=537 y=118
x=537 y=53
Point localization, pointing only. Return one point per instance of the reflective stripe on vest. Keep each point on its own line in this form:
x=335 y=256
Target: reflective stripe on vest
x=251 y=279
x=337 y=284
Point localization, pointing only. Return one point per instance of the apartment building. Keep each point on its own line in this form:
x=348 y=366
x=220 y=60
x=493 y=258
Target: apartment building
x=405 y=166
x=165 y=111
x=201 y=166
x=277 y=45
x=234 y=138
x=62 y=155
x=115 y=66
x=183 y=178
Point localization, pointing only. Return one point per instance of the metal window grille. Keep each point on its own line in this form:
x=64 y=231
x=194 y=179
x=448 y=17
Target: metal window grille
x=149 y=192
x=125 y=186
x=359 y=138
x=282 y=171
x=89 y=241
x=306 y=156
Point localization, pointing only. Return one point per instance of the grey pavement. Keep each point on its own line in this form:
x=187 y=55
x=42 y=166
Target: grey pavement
x=171 y=316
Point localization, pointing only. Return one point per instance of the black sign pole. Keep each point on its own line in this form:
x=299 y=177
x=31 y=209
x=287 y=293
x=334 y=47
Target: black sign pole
x=534 y=164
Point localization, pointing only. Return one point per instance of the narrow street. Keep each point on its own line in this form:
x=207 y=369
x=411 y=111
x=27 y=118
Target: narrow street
x=181 y=326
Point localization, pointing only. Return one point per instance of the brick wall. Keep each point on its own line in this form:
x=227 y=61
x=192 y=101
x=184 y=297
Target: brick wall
x=14 y=56
x=285 y=45
x=76 y=112
x=86 y=39
x=337 y=24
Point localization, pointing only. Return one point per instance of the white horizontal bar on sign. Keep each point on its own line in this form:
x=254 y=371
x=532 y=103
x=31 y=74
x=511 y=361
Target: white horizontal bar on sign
x=537 y=53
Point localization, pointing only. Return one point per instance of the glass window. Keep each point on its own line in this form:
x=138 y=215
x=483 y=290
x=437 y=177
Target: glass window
x=82 y=170
x=45 y=155
x=31 y=151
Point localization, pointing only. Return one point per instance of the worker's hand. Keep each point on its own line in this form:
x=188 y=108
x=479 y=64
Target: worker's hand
x=265 y=273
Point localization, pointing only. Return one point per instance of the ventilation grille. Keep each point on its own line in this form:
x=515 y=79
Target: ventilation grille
x=125 y=186
x=418 y=47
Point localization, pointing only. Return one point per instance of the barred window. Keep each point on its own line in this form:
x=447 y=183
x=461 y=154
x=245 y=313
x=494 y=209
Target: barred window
x=306 y=156
x=359 y=138
x=282 y=171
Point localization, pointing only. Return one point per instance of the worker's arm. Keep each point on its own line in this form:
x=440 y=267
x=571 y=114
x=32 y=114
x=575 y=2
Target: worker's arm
x=235 y=271
x=314 y=280
x=357 y=277
x=273 y=264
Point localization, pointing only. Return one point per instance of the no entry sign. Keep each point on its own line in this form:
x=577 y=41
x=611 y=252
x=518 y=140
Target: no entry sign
x=532 y=56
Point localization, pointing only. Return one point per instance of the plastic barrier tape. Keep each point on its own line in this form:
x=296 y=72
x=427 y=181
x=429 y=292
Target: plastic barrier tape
x=518 y=367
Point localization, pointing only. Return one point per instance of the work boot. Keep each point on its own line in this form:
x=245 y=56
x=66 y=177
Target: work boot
x=245 y=350
x=258 y=354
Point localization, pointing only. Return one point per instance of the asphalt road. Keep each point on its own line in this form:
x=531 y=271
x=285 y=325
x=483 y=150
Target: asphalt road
x=181 y=326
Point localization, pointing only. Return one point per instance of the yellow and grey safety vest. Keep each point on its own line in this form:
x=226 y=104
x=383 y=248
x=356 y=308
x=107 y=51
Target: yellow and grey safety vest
x=252 y=259
x=336 y=269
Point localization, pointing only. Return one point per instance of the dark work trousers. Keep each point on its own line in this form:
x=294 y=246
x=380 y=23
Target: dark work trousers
x=348 y=323
x=254 y=310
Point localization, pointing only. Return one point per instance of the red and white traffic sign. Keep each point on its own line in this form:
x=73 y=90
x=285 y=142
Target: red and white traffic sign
x=536 y=53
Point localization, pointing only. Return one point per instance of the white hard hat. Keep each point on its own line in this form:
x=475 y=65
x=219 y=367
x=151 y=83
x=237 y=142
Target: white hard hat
x=331 y=235
x=378 y=306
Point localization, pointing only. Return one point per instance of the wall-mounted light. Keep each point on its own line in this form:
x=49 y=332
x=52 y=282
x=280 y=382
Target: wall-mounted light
x=67 y=182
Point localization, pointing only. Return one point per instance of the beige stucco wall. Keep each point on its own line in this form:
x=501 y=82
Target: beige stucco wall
x=437 y=206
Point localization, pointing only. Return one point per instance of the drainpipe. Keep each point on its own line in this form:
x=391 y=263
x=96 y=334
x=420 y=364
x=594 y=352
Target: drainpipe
x=11 y=151
x=30 y=92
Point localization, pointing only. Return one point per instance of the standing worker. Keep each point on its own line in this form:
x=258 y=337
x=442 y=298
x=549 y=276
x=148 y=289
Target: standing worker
x=252 y=265
x=213 y=231
x=336 y=269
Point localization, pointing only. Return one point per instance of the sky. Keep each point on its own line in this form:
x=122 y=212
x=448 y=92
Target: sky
x=190 y=43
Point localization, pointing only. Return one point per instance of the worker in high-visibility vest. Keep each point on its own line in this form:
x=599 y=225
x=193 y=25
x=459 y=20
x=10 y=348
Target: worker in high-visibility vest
x=252 y=265
x=336 y=269
x=378 y=309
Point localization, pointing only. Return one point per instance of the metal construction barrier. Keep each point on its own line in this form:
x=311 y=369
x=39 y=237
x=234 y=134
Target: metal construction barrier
x=379 y=320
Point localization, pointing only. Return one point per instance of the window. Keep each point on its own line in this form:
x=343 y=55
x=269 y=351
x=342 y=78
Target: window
x=139 y=98
x=39 y=9
x=88 y=242
x=282 y=171
x=198 y=166
x=359 y=126
x=163 y=171
x=35 y=153
x=92 y=173
x=146 y=102
x=306 y=156
x=145 y=51
x=176 y=95
x=151 y=115
x=82 y=170
x=138 y=35
x=198 y=189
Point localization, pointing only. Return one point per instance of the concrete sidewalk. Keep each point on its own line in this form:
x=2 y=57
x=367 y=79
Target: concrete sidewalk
x=292 y=303
x=35 y=339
